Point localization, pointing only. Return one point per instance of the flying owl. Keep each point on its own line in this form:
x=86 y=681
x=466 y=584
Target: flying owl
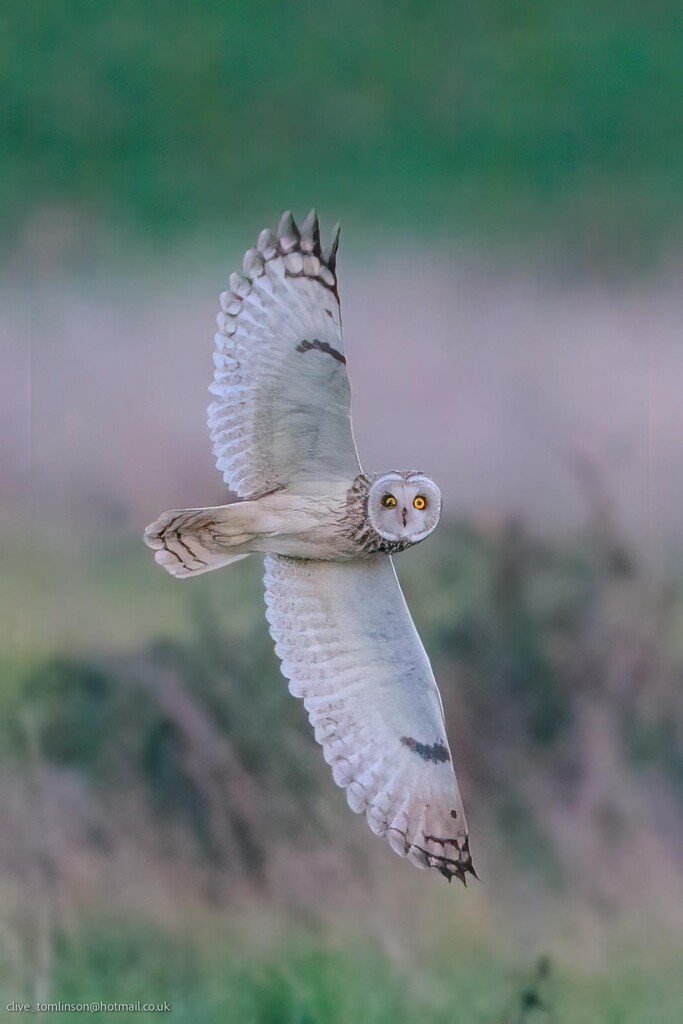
x=283 y=440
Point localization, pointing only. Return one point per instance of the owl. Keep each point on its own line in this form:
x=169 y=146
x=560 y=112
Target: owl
x=282 y=435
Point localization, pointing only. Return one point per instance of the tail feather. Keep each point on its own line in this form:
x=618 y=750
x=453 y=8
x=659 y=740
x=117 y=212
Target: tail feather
x=192 y=541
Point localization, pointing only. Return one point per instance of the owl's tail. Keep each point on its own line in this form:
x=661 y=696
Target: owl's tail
x=191 y=541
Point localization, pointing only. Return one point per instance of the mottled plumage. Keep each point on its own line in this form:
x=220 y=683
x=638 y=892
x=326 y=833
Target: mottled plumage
x=281 y=431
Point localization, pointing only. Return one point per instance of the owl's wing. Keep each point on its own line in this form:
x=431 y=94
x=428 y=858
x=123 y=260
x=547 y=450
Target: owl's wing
x=349 y=647
x=282 y=413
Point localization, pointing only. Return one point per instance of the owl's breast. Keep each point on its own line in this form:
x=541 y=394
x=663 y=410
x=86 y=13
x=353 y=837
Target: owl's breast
x=314 y=525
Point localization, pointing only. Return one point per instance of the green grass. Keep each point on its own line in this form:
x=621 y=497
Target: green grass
x=85 y=594
x=525 y=120
x=303 y=978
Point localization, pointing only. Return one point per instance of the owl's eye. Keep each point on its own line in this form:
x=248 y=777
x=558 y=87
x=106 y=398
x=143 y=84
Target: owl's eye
x=388 y=501
x=419 y=502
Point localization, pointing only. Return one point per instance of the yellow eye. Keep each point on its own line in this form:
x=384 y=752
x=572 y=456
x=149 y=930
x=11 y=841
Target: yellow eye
x=389 y=501
x=419 y=502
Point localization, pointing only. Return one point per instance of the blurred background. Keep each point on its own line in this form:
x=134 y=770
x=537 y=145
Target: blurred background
x=508 y=177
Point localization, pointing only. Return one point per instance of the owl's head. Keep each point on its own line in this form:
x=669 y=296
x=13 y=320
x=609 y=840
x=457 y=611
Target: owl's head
x=404 y=508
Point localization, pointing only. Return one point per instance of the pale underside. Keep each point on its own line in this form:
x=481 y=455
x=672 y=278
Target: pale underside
x=281 y=422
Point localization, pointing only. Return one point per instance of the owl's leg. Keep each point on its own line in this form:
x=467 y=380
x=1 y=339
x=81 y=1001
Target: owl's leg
x=192 y=541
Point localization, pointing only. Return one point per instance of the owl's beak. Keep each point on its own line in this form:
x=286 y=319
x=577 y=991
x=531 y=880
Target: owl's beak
x=404 y=516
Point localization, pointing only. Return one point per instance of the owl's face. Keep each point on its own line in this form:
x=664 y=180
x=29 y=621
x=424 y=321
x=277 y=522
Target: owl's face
x=404 y=507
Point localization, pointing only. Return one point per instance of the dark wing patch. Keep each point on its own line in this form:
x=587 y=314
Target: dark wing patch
x=321 y=346
x=436 y=752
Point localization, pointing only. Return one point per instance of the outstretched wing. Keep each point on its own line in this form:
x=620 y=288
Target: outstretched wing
x=349 y=647
x=283 y=409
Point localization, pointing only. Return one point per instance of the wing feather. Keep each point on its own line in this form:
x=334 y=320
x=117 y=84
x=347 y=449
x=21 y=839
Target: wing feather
x=282 y=413
x=349 y=648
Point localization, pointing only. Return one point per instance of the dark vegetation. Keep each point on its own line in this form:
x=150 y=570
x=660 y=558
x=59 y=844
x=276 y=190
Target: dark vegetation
x=194 y=753
x=524 y=636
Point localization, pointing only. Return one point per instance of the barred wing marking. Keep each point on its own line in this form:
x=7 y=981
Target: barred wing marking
x=349 y=648
x=282 y=413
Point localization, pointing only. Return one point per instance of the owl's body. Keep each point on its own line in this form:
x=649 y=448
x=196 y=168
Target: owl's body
x=330 y=522
x=282 y=435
